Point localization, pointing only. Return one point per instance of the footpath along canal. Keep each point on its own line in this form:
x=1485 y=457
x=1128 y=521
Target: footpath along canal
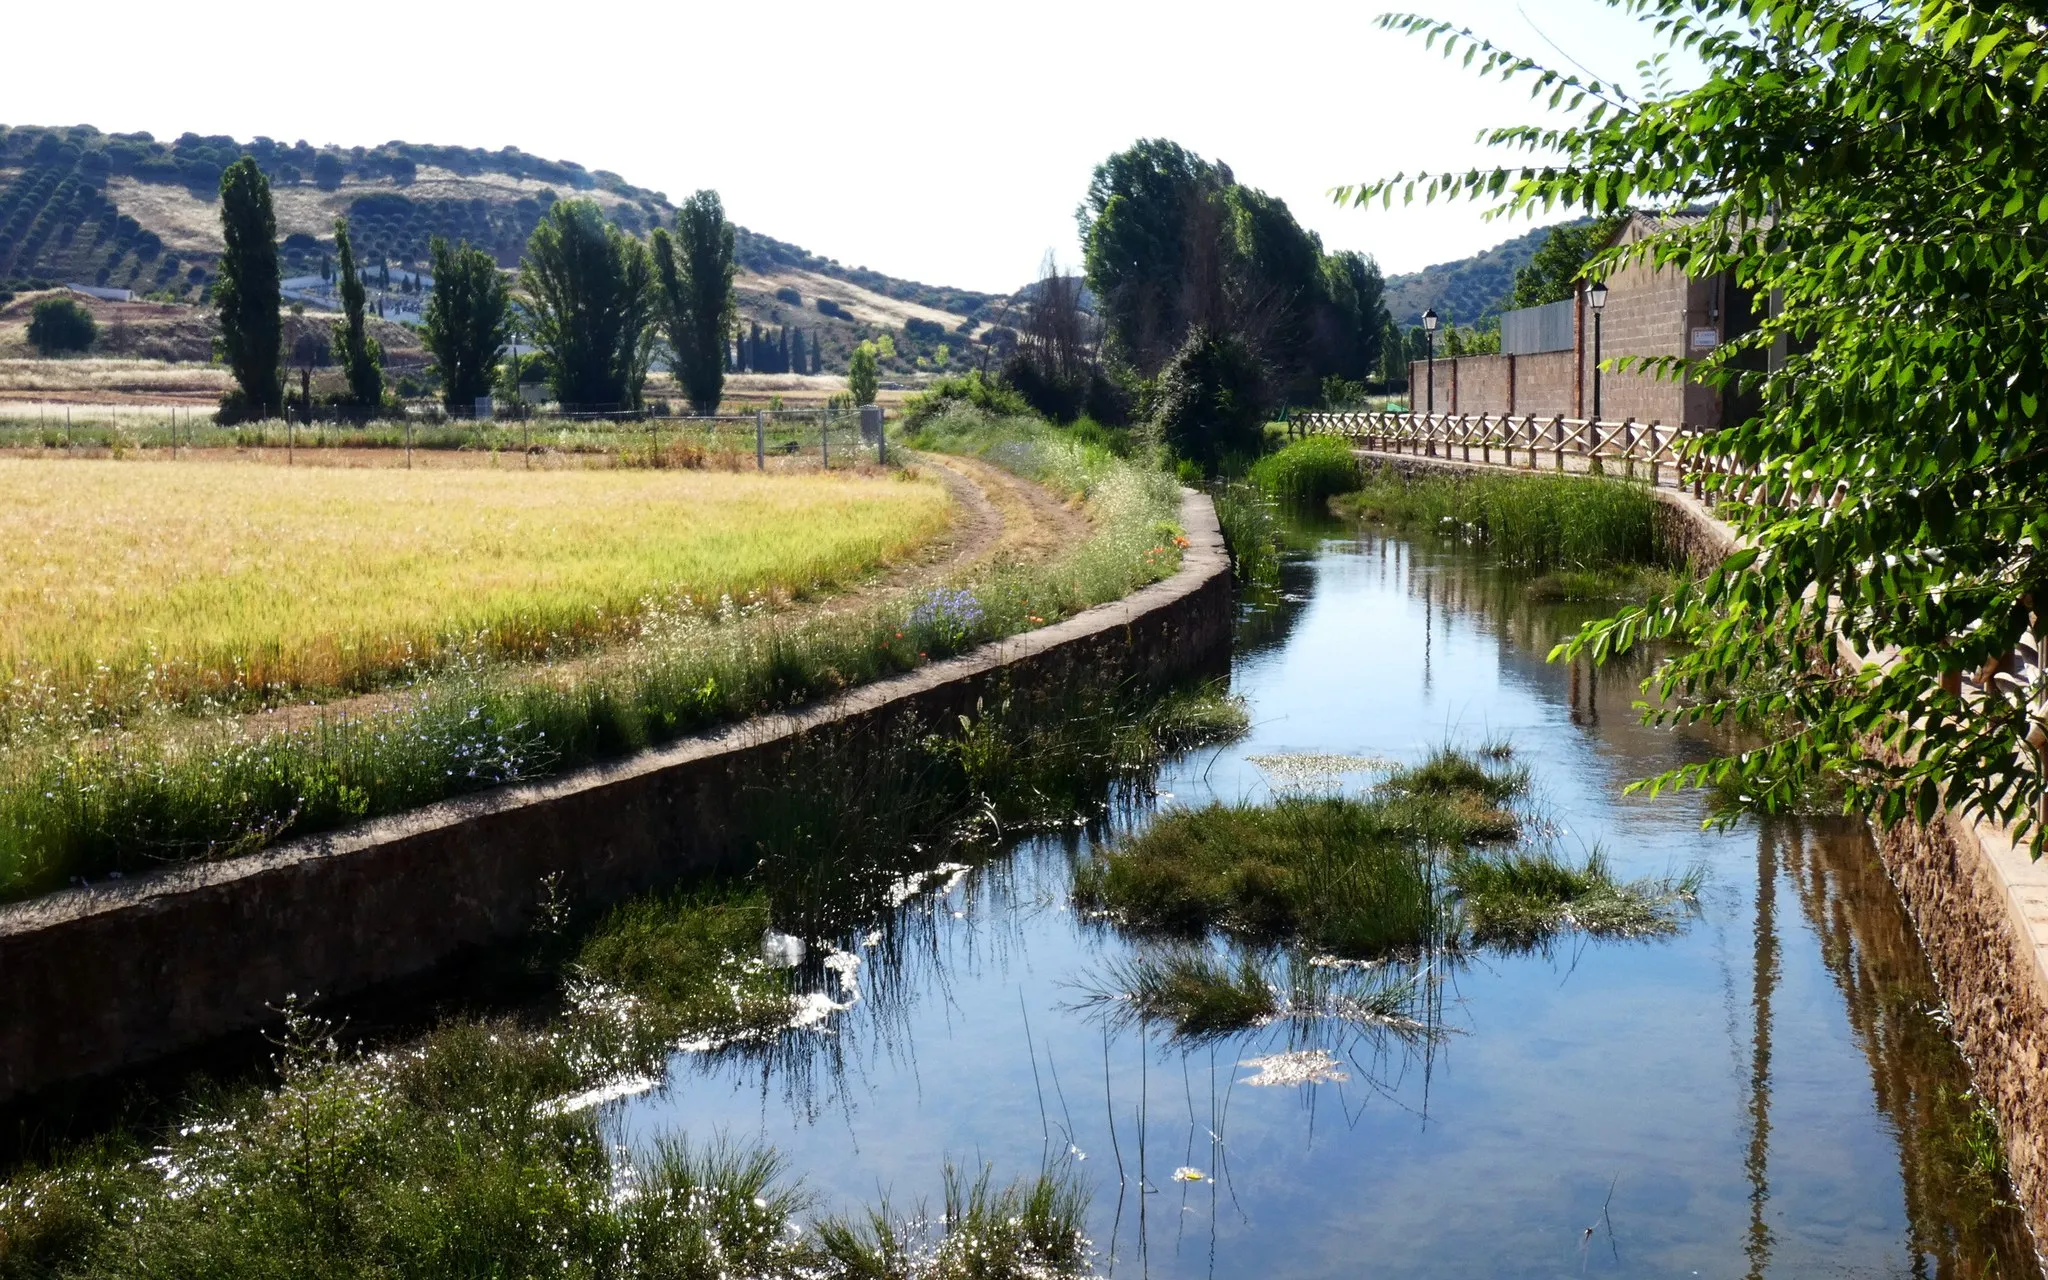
x=1771 y=1090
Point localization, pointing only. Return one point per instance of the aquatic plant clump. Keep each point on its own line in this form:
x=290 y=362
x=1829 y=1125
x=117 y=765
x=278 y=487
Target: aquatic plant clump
x=1311 y=470
x=1521 y=898
x=1530 y=521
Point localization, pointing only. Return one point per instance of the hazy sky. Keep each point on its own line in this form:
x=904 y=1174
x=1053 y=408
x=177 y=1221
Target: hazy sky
x=945 y=143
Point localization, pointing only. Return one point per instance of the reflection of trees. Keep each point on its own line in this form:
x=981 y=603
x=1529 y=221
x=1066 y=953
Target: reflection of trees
x=1920 y=1080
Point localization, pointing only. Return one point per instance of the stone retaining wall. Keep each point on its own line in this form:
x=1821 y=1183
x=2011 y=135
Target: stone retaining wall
x=113 y=975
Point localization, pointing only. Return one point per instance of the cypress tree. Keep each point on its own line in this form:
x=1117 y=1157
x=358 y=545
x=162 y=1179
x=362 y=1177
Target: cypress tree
x=362 y=359
x=783 y=358
x=817 y=359
x=246 y=291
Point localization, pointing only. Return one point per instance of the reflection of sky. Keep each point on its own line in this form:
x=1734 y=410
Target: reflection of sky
x=1606 y=1086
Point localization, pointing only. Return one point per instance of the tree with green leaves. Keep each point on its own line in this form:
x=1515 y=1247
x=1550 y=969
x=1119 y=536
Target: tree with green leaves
x=590 y=300
x=1145 y=209
x=362 y=356
x=1877 y=172
x=1212 y=400
x=1553 y=273
x=60 y=326
x=697 y=305
x=862 y=377
x=246 y=294
x=1352 y=317
x=467 y=323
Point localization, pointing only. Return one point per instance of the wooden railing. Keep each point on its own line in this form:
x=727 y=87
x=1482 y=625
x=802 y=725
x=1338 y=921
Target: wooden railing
x=1653 y=451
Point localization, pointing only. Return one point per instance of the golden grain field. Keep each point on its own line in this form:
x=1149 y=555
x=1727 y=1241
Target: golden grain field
x=202 y=578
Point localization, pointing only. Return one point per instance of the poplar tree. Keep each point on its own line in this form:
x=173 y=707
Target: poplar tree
x=245 y=293
x=695 y=271
x=591 y=301
x=362 y=359
x=862 y=377
x=468 y=321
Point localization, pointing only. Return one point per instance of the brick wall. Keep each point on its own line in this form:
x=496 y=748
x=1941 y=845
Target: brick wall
x=1538 y=384
x=1650 y=312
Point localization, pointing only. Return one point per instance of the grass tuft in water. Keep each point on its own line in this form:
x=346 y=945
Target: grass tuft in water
x=1200 y=993
x=1308 y=471
x=1026 y=1230
x=1522 y=898
x=1349 y=876
x=1535 y=522
x=1251 y=533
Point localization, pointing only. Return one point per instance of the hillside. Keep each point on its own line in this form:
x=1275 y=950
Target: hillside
x=126 y=211
x=1468 y=289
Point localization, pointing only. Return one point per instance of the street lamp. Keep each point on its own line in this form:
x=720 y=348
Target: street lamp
x=1429 y=345
x=1597 y=296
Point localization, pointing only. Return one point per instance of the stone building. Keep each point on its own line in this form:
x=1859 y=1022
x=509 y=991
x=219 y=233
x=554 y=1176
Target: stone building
x=1546 y=365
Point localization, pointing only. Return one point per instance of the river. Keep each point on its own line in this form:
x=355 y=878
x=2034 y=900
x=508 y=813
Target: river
x=1771 y=1091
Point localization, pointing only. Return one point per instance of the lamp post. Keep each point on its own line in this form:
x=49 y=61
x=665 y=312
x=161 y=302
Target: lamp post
x=1429 y=347
x=1597 y=297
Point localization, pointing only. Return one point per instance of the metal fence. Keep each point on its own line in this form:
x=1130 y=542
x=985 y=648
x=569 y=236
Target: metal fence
x=1534 y=330
x=761 y=439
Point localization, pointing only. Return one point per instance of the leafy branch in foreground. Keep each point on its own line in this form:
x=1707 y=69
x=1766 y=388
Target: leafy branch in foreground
x=1876 y=170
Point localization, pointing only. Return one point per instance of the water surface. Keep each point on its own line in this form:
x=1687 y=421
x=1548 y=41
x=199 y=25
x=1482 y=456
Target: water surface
x=1771 y=1092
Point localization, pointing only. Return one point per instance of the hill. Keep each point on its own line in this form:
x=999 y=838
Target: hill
x=126 y=211
x=1468 y=289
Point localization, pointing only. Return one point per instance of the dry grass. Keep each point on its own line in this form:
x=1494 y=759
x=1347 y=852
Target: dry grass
x=131 y=377
x=208 y=580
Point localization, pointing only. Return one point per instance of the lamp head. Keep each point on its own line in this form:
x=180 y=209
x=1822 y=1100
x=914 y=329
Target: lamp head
x=1597 y=295
x=1429 y=320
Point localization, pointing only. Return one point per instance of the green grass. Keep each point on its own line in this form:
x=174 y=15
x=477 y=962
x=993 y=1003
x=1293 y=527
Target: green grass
x=1414 y=866
x=1521 y=898
x=132 y=802
x=458 y=1154
x=1310 y=470
x=1534 y=522
x=1026 y=1230
x=1251 y=533
x=1611 y=584
x=1200 y=993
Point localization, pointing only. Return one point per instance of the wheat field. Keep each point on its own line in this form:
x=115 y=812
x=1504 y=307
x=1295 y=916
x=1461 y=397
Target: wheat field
x=170 y=582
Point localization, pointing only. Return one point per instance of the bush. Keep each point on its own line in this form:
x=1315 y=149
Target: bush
x=827 y=307
x=59 y=325
x=924 y=330
x=1212 y=399
x=1312 y=470
x=990 y=396
x=790 y=295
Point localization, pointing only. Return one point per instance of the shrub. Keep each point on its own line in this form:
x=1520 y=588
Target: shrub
x=1311 y=470
x=1212 y=399
x=58 y=326
x=989 y=395
x=827 y=307
x=790 y=295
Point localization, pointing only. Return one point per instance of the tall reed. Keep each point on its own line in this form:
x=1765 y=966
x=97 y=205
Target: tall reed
x=1533 y=521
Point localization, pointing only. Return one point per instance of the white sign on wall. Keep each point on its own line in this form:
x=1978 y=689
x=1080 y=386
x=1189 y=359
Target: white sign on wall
x=1705 y=339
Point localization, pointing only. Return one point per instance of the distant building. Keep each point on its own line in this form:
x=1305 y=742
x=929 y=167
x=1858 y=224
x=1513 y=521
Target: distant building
x=104 y=295
x=1546 y=363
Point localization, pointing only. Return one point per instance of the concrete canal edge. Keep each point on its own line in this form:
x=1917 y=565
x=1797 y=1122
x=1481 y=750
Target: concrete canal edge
x=114 y=975
x=1979 y=905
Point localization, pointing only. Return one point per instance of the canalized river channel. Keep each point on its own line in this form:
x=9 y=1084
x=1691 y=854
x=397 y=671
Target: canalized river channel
x=1771 y=1091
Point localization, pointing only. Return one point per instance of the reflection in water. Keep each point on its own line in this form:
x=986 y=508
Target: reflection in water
x=1764 y=982
x=1568 y=1113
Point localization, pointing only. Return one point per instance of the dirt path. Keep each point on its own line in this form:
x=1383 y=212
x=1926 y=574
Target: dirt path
x=1003 y=520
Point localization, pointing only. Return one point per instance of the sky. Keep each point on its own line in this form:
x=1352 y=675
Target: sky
x=948 y=144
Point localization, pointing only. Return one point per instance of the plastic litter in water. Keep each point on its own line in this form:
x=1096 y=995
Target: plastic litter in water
x=1187 y=1173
